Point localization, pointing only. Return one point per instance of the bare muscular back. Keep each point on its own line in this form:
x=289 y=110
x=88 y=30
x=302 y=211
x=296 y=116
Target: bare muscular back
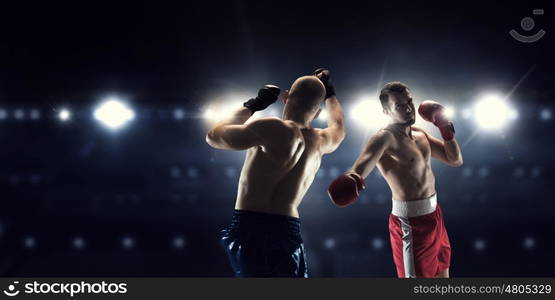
x=406 y=165
x=275 y=178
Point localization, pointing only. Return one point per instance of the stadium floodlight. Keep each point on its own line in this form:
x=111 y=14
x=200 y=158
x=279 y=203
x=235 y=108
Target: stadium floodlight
x=492 y=112
x=113 y=113
x=64 y=115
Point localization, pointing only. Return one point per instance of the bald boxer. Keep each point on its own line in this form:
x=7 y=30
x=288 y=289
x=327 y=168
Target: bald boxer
x=403 y=155
x=283 y=156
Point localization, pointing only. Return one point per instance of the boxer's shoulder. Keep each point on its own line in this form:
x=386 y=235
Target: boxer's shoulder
x=420 y=134
x=273 y=131
x=268 y=125
x=268 y=121
x=388 y=139
x=419 y=130
x=279 y=130
x=383 y=135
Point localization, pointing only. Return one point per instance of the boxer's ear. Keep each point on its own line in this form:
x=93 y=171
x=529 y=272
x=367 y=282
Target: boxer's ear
x=285 y=96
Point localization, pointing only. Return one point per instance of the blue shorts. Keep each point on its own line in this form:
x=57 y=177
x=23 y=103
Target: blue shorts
x=264 y=245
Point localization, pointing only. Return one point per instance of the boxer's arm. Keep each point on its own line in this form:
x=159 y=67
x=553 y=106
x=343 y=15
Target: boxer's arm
x=334 y=134
x=234 y=134
x=453 y=152
x=371 y=154
x=447 y=152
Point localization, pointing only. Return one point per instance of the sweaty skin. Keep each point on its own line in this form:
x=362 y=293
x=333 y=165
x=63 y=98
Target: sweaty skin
x=275 y=178
x=283 y=155
x=406 y=164
x=403 y=153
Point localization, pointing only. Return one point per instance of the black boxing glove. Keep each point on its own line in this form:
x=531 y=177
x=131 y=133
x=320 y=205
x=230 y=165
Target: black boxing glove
x=266 y=96
x=326 y=80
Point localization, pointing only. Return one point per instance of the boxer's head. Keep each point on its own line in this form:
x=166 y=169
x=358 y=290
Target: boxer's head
x=304 y=97
x=397 y=103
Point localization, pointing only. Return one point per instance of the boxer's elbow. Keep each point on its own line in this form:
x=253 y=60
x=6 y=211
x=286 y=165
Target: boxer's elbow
x=213 y=139
x=210 y=140
x=342 y=134
x=340 y=131
x=457 y=163
x=338 y=138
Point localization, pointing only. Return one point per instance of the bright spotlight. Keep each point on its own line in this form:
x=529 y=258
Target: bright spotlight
x=209 y=114
x=513 y=114
x=466 y=113
x=323 y=115
x=492 y=112
x=222 y=107
x=449 y=112
x=113 y=114
x=271 y=111
x=220 y=111
x=64 y=115
x=368 y=113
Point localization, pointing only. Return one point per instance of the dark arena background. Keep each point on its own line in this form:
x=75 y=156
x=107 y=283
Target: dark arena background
x=132 y=188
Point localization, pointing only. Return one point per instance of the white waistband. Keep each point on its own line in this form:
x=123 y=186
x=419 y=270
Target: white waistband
x=408 y=209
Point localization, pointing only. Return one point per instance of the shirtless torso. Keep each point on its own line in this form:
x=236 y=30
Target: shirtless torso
x=275 y=177
x=403 y=155
x=406 y=164
x=283 y=156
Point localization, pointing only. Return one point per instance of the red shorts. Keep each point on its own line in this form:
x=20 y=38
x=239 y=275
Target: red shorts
x=420 y=244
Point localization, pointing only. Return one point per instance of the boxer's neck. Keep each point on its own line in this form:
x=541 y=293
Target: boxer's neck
x=405 y=129
x=297 y=118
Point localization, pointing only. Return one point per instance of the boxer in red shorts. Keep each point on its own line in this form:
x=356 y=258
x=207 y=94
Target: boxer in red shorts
x=403 y=155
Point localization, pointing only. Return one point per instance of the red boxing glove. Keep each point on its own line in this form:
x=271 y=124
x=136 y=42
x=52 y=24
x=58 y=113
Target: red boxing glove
x=344 y=189
x=433 y=112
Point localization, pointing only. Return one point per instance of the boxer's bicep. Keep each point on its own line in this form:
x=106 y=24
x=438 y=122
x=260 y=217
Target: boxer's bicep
x=371 y=154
